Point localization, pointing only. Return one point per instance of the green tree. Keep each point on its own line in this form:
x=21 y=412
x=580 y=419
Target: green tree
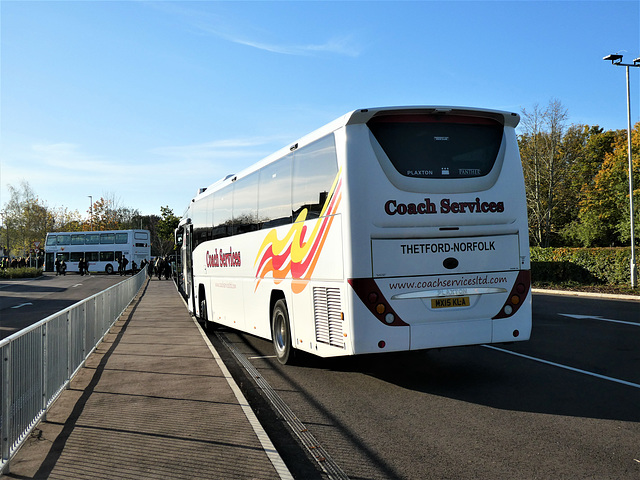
x=165 y=229
x=25 y=221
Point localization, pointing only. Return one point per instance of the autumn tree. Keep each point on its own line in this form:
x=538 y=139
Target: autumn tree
x=604 y=208
x=108 y=214
x=596 y=145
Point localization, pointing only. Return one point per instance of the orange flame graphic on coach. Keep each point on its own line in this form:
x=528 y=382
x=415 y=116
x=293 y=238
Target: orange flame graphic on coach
x=298 y=253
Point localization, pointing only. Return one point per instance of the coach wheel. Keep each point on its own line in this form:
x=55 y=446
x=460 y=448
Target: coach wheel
x=281 y=333
x=204 y=318
x=109 y=269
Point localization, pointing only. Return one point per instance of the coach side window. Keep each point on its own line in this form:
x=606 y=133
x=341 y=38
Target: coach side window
x=274 y=193
x=201 y=212
x=314 y=170
x=245 y=204
x=222 y=213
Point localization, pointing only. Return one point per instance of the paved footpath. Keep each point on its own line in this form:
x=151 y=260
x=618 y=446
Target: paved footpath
x=154 y=401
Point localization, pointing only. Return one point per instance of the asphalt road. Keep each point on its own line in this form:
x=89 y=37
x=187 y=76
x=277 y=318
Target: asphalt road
x=566 y=404
x=26 y=301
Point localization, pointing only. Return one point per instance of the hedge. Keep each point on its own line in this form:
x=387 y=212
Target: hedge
x=582 y=265
x=23 y=272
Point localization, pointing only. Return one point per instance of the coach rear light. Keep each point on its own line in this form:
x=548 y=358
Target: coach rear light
x=374 y=300
x=517 y=296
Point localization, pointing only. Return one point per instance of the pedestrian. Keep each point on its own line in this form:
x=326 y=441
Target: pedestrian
x=57 y=266
x=159 y=267
x=124 y=265
x=63 y=267
x=167 y=269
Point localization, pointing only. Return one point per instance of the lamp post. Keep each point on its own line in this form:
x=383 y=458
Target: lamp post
x=91 y=210
x=617 y=60
x=5 y=221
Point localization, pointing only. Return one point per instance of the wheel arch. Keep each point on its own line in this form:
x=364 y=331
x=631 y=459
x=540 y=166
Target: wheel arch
x=201 y=295
x=275 y=296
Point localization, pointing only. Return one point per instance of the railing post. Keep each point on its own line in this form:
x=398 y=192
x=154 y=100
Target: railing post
x=69 y=351
x=45 y=369
x=7 y=402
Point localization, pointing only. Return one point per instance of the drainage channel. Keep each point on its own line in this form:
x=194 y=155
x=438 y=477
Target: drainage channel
x=317 y=451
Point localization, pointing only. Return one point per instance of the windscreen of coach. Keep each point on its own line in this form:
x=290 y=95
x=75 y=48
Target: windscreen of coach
x=438 y=146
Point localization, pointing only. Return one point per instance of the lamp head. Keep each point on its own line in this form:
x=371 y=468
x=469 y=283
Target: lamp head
x=614 y=57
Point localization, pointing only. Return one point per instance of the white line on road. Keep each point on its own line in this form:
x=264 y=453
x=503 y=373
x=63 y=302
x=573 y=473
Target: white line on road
x=597 y=375
x=22 y=305
x=580 y=317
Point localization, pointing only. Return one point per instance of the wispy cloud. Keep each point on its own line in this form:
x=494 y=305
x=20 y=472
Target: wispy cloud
x=68 y=156
x=222 y=151
x=341 y=46
x=253 y=36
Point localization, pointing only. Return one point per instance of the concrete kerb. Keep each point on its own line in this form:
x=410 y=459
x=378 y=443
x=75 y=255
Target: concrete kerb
x=572 y=293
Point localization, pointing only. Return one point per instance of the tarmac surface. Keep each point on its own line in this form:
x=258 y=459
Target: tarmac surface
x=153 y=401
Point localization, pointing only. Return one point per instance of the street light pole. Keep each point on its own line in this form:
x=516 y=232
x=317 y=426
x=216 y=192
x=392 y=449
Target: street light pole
x=91 y=210
x=617 y=60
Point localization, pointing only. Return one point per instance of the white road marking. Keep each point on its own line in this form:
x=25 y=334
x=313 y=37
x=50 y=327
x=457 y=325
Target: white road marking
x=566 y=367
x=22 y=305
x=594 y=317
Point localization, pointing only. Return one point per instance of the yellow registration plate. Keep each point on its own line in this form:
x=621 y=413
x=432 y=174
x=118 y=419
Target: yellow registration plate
x=450 y=302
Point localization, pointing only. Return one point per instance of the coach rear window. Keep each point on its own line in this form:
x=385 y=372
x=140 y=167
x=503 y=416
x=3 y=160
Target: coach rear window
x=438 y=146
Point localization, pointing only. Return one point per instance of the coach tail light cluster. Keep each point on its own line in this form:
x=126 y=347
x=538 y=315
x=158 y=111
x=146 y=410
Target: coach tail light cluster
x=368 y=291
x=516 y=297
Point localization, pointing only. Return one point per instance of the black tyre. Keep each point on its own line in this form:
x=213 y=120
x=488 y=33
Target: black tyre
x=281 y=333
x=109 y=269
x=204 y=316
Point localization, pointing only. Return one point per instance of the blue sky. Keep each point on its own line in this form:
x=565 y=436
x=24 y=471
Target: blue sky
x=145 y=102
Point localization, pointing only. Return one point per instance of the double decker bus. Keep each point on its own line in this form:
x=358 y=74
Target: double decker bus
x=389 y=229
x=102 y=250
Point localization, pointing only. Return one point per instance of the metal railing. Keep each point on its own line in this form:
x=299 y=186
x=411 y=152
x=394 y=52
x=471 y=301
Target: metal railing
x=39 y=361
